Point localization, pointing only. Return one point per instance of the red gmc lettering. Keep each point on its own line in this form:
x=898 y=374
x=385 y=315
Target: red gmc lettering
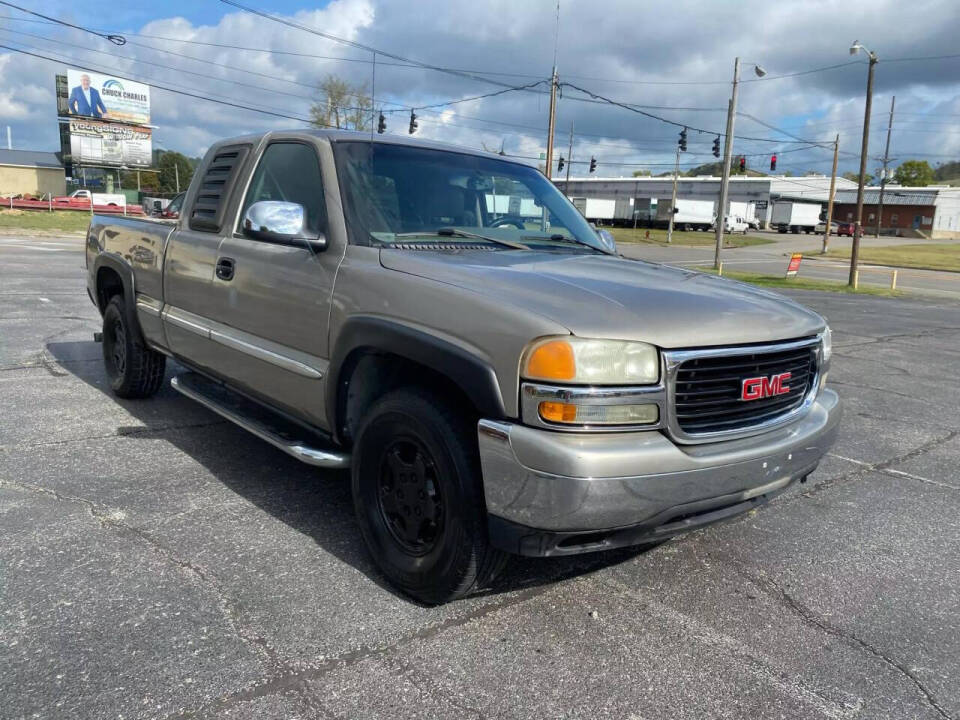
x=762 y=387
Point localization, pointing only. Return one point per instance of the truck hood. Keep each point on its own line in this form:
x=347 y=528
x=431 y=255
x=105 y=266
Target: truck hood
x=610 y=297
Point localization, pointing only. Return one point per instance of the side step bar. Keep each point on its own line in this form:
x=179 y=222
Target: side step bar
x=305 y=446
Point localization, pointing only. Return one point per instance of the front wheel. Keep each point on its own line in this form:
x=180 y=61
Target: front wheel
x=418 y=497
x=135 y=371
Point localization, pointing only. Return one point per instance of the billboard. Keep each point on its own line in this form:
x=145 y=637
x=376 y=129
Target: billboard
x=95 y=142
x=107 y=97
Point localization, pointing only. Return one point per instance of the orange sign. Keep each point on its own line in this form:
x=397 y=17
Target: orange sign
x=794 y=267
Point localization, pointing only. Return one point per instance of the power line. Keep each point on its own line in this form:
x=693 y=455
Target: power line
x=115 y=39
x=165 y=88
x=675 y=123
x=355 y=44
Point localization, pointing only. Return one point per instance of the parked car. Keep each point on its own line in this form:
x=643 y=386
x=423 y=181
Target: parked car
x=83 y=198
x=735 y=224
x=822 y=227
x=845 y=228
x=172 y=210
x=493 y=387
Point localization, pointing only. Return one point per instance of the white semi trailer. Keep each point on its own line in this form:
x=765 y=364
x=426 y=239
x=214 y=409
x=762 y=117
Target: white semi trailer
x=690 y=215
x=795 y=217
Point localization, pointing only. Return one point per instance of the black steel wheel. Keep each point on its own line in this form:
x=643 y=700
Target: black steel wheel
x=134 y=370
x=418 y=496
x=409 y=495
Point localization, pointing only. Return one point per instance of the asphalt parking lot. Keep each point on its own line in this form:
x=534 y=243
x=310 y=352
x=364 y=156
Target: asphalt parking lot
x=158 y=562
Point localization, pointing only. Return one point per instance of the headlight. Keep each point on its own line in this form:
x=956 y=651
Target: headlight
x=591 y=362
x=826 y=350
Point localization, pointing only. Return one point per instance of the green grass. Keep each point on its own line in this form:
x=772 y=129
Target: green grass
x=934 y=256
x=65 y=220
x=689 y=239
x=798 y=283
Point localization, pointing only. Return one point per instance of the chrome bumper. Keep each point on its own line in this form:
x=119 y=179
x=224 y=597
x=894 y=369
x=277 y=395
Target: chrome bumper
x=566 y=483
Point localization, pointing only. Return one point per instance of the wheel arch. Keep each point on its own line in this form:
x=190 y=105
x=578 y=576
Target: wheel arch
x=373 y=356
x=113 y=276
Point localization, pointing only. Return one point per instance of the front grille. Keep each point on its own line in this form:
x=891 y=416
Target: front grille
x=707 y=390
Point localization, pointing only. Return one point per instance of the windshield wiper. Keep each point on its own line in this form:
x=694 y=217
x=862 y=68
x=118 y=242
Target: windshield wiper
x=456 y=232
x=557 y=237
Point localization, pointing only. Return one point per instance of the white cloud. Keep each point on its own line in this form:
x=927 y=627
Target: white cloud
x=600 y=43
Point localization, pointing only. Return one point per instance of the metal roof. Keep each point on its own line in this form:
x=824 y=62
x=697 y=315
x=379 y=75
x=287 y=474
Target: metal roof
x=895 y=195
x=30 y=158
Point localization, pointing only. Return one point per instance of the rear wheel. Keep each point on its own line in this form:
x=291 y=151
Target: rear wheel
x=135 y=371
x=418 y=497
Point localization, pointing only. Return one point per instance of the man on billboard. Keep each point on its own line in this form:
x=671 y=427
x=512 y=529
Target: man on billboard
x=85 y=100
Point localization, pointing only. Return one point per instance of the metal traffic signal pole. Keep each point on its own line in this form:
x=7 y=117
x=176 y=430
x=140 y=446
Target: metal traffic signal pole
x=566 y=186
x=673 y=197
x=727 y=152
x=833 y=187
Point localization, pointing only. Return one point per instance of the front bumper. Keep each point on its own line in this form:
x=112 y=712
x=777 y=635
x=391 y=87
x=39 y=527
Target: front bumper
x=551 y=493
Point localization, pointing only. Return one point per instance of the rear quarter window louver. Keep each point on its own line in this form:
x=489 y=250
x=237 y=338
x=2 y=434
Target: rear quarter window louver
x=216 y=187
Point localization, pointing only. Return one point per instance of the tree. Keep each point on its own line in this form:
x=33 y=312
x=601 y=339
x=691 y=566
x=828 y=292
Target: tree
x=173 y=167
x=915 y=173
x=855 y=177
x=641 y=173
x=714 y=168
x=947 y=171
x=342 y=105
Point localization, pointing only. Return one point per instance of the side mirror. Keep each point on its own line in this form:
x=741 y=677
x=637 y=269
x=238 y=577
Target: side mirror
x=283 y=223
x=607 y=240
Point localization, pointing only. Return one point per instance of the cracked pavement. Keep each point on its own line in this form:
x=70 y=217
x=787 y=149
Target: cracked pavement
x=157 y=562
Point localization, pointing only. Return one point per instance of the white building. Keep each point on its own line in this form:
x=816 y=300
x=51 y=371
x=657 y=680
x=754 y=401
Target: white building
x=639 y=197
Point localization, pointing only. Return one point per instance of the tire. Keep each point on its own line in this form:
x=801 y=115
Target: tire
x=412 y=441
x=134 y=370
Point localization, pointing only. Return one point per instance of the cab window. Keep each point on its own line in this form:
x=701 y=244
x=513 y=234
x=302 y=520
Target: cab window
x=289 y=172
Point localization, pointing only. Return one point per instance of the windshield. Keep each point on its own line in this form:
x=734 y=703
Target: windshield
x=397 y=193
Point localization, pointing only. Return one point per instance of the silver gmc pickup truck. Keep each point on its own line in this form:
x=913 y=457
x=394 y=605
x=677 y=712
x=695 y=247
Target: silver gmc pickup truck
x=445 y=324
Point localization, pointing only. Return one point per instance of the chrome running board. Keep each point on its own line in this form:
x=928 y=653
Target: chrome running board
x=306 y=446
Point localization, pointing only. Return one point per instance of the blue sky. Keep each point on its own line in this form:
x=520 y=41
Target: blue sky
x=604 y=46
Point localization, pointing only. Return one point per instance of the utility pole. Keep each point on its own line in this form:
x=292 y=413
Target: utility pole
x=673 y=197
x=176 y=174
x=886 y=160
x=858 y=228
x=833 y=187
x=552 y=122
x=727 y=152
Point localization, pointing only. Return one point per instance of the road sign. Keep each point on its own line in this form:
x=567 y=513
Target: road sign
x=794 y=267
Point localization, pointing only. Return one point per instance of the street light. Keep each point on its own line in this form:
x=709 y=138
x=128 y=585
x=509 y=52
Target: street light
x=858 y=227
x=727 y=152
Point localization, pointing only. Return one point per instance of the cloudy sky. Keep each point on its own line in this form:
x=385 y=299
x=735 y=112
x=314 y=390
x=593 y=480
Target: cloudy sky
x=674 y=60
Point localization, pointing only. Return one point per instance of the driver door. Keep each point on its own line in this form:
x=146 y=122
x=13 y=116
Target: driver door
x=271 y=302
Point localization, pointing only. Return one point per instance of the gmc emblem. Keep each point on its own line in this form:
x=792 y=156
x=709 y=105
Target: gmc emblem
x=764 y=387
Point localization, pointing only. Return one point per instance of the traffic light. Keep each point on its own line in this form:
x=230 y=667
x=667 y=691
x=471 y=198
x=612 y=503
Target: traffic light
x=716 y=146
x=593 y=164
x=682 y=142
x=413 y=122
x=773 y=163
x=382 y=124
x=560 y=164
x=743 y=164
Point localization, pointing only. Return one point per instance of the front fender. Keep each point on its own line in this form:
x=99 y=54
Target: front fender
x=476 y=378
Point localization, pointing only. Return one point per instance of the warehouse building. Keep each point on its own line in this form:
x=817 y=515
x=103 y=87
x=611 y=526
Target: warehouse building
x=931 y=212
x=27 y=172
x=638 y=198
